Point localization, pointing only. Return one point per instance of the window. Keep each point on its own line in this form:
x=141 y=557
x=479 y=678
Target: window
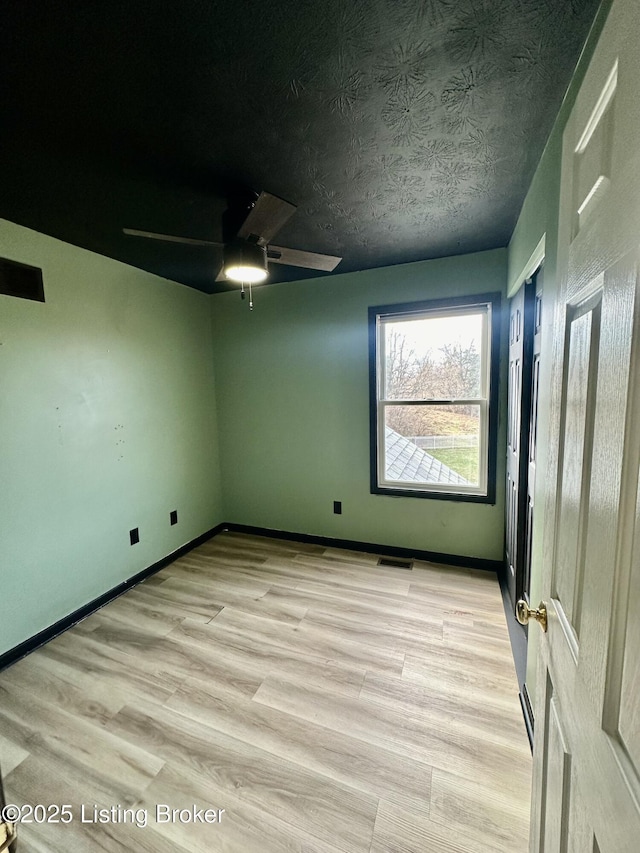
x=434 y=398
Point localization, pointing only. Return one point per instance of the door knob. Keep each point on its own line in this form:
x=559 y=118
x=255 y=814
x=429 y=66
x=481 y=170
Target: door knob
x=524 y=613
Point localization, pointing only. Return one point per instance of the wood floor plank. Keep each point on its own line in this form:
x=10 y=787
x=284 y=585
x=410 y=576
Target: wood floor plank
x=366 y=767
x=327 y=703
x=133 y=611
x=242 y=828
x=401 y=635
x=490 y=635
x=181 y=580
x=349 y=576
x=441 y=746
x=207 y=570
x=268 y=656
x=400 y=831
x=321 y=806
x=11 y=755
x=466 y=805
x=144 y=595
x=373 y=598
x=458 y=578
x=65 y=687
x=256 y=603
x=370 y=609
x=174 y=659
x=50 y=732
x=456 y=603
x=236 y=547
x=353 y=558
x=104 y=667
x=463 y=666
x=313 y=640
x=186 y=596
x=496 y=720
x=41 y=782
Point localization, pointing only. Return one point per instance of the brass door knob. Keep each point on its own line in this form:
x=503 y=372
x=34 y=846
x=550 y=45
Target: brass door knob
x=524 y=613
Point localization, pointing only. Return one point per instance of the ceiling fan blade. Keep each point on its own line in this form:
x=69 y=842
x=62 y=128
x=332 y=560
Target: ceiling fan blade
x=266 y=218
x=298 y=258
x=169 y=238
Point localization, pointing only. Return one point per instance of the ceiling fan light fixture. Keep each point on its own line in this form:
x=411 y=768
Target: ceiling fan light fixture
x=245 y=263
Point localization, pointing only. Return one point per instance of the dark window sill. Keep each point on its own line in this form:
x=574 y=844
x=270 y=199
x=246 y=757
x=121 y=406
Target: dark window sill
x=432 y=495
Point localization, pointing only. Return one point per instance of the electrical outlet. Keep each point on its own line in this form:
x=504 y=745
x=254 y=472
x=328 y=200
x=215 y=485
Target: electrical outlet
x=337 y=507
x=173 y=516
x=134 y=536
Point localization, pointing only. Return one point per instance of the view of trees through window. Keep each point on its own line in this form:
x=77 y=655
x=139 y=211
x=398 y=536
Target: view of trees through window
x=437 y=358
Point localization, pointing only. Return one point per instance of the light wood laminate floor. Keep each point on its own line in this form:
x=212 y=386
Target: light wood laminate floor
x=324 y=702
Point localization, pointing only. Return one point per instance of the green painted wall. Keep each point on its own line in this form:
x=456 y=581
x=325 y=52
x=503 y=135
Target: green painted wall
x=293 y=409
x=107 y=422
x=538 y=217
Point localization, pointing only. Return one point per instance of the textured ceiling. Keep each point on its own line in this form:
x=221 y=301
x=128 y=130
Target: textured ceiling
x=403 y=130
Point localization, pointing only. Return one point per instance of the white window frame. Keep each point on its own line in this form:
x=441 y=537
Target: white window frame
x=487 y=401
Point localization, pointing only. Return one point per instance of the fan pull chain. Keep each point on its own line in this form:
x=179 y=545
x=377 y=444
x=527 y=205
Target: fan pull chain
x=243 y=295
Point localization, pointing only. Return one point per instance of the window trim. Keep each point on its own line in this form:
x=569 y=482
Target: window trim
x=446 y=305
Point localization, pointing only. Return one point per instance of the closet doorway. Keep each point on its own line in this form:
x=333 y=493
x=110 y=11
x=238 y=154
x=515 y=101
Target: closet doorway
x=525 y=329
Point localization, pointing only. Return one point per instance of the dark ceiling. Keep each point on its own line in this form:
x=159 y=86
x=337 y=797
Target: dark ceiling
x=403 y=130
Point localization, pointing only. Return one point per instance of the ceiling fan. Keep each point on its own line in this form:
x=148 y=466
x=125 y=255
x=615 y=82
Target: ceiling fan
x=248 y=225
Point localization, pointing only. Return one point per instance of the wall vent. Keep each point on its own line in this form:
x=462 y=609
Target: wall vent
x=395 y=564
x=21 y=280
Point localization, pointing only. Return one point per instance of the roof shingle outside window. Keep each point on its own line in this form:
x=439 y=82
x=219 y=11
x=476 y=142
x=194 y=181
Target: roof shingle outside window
x=408 y=463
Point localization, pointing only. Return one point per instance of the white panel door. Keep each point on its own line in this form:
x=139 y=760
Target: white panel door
x=587 y=742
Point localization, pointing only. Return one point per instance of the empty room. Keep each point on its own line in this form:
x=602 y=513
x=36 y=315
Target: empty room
x=319 y=426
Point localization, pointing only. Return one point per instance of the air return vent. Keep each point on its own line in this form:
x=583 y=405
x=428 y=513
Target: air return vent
x=395 y=564
x=21 y=280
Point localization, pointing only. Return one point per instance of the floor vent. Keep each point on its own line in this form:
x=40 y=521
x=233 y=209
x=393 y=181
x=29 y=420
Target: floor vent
x=395 y=564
